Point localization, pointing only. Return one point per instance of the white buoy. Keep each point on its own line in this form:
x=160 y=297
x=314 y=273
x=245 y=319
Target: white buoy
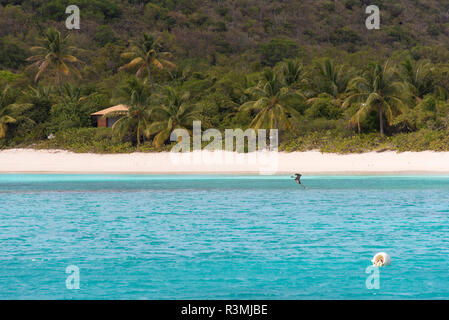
x=381 y=259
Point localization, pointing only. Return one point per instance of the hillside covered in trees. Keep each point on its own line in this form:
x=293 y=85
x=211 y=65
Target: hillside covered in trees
x=309 y=68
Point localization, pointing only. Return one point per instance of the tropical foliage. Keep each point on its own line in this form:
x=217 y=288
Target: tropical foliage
x=137 y=119
x=379 y=89
x=145 y=53
x=9 y=113
x=271 y=111
x=175 y=112
x=54 y=53
x=252 y=64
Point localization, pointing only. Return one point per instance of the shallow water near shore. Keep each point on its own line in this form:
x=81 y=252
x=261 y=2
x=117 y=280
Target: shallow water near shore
x=223 y=237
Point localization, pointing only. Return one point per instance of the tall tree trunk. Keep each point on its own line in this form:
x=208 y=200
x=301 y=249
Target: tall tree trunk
x=59 y=82
x=381 y=121
x=138 y=135
x=276 y=128
x=150 y=78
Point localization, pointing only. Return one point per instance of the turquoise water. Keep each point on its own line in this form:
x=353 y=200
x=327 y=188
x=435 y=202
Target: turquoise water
x=223 y=237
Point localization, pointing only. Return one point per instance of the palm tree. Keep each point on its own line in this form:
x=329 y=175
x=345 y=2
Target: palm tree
x=379 y=89
x=42 y=99
x=179 y=76
x=39 y=93
x=9 y=112
x=174 y=113
x=145 y=53
x=271 y=111
x=324 y=105
x=293 y=72
x=54 y=53
x=419 y=76
x=332 y=79
x=137 y=119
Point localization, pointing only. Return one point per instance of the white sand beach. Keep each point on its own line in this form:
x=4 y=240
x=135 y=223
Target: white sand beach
x=312 y=162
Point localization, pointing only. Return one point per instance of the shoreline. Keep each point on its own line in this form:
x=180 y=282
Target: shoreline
x=30 y=161
x=236 y=173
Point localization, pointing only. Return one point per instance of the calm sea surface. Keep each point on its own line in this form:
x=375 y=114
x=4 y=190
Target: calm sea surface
x=223 y=237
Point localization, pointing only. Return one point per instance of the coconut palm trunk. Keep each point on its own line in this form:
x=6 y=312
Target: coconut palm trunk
x=381 y=121
x=60 y=83
x=138 y=135
x=150 y=78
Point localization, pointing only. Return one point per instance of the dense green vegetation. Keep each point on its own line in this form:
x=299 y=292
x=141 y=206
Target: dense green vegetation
x=310 y=69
